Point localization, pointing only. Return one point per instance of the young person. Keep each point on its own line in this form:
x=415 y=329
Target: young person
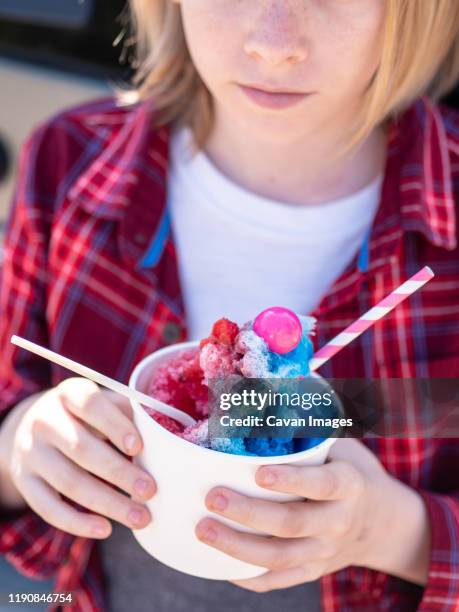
x=323 y=200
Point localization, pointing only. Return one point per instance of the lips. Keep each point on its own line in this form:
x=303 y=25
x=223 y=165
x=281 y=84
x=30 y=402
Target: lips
x=280 y=90
x=272 y=99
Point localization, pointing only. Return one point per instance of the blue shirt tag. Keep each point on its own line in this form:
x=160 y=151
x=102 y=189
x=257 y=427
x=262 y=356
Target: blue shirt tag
x=364 y=255
x=156 y=248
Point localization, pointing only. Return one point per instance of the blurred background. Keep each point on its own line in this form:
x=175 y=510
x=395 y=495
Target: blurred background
x=54 y=54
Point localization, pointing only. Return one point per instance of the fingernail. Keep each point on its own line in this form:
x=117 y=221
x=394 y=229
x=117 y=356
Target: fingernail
x=99 y=530
x=142 y=486
x=219 y=502
x=267 y=477
x=135 y=516
x=208 y=534
x=130 y=442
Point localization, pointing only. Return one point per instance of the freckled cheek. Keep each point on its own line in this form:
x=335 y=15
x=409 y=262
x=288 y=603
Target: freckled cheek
x=207 y=26
x=214 y=32
x=214 y=68
x=216 y=55
x=370 y=37
x=352 y=59
x=368 y=55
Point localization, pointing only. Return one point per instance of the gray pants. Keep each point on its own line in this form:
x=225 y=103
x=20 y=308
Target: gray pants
x=137 y=583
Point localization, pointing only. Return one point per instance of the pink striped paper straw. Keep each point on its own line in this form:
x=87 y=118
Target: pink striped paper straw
x=368 y=319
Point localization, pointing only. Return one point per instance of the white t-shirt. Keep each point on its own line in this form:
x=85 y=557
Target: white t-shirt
x=239 y=252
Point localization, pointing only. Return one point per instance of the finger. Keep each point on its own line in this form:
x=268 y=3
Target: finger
x=85 y=400
x=95 y=432
x=331 y=481
x=47 y=503
x=122 y=402
x=78 y=485
x=272 y=553
x=280 y=579
x=74 y=441
x=297 y=519
x=355 y=452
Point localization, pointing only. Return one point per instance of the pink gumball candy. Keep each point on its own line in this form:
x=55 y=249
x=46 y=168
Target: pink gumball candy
x=279 y=327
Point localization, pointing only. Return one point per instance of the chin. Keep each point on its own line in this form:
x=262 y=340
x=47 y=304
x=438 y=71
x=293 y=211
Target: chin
x=274 y=128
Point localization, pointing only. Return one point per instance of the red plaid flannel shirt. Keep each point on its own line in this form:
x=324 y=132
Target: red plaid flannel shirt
x=89 y=206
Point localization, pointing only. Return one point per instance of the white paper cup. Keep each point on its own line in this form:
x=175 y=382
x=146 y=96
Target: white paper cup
x=184 y=473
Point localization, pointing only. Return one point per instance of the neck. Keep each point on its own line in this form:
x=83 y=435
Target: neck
x=305 y=171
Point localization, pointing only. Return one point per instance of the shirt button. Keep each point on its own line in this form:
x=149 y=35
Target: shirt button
x=171 y=332
x=140 y=238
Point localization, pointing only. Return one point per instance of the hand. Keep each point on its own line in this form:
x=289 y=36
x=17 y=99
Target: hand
x=63 y=443
x=354 y=513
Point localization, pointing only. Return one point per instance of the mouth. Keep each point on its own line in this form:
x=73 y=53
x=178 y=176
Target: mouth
x=273 y=98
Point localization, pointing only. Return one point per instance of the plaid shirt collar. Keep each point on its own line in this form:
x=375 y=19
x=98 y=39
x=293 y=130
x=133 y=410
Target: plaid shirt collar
x=419 y=139
x=109 y=188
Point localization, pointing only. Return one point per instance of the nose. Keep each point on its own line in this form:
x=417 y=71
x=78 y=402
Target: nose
x=275 y=37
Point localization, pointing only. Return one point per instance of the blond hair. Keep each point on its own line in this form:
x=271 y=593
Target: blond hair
x=419 y=56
